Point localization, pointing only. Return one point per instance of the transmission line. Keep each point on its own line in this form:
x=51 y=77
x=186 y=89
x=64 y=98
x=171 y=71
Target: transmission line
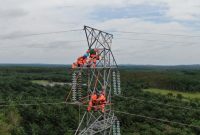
x=43 y=33
x=137 y=99
x=71 y=30
x=151 y=33
x=34 y=104
x=117 y=111
x=65 y=31
x=158 y=119
x=27 y=100
x=155 y=40
x=159 y=103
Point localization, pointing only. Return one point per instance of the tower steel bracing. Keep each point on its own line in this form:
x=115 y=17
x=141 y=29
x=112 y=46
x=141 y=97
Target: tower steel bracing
x=104 y=76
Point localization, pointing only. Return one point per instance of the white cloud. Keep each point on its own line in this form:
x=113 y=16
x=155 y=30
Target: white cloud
x=182 y=9
x=36 y=16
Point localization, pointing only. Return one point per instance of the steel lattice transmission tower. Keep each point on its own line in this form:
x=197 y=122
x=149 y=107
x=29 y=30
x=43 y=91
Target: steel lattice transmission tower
x=103 y=77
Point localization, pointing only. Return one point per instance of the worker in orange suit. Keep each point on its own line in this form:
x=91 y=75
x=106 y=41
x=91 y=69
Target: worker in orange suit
x=84 y=60
x=92 y=102
x=81 y=61
x=102 y=101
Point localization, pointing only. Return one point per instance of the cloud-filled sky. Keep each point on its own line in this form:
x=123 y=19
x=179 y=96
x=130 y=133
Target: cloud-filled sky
x=174 y=26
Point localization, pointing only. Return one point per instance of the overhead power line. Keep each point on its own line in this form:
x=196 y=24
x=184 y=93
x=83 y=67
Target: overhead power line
x=48 y=45
x=32 y=104
x=37 y=104
x=132 y=98
x=151 y=33
x=158 y=119
x=117 y=111
x=155 y=40
x=29 y=100
x=42 y=33
x=65 y=31
x=137 y=99
x=159 y=103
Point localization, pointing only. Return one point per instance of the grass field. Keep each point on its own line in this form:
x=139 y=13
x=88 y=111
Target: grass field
x=48 y=83
x=194 y=95
x=41 y=82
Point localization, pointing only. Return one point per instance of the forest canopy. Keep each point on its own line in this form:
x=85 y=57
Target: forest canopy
x=23 y=112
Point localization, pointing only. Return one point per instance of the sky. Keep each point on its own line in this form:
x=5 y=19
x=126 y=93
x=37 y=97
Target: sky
x=164 y=32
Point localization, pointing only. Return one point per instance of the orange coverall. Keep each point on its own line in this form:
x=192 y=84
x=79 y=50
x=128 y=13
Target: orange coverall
x=92 y=102
x=102 y=101
x=81 y=61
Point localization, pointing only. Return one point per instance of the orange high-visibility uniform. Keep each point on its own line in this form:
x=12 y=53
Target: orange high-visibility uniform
x=80 y=61
x=94 y=97
x=92 y=102
x=89 y=106
x=102 y=102
x=84 y=60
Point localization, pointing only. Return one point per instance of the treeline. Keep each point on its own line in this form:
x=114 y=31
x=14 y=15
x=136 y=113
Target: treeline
x=181 y=80
x=54 y=73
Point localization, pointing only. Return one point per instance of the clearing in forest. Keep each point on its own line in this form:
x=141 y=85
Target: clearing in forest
x=187 y=95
